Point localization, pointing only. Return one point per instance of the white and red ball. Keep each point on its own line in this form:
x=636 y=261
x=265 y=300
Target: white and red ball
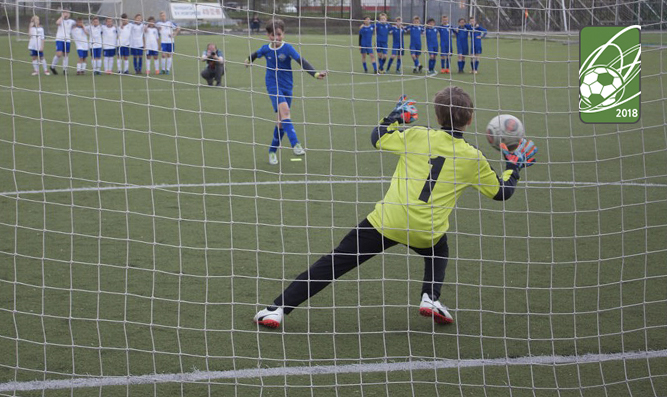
x=506 y=129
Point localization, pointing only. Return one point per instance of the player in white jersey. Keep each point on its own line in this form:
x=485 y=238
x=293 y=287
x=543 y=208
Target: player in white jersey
x=95 y=31
x=109 y=41
x=168 y=31
x=80 y=37
x=36 y=45
x=124 y=33
x=137 y=43
x=151 y=38
x=63 y=36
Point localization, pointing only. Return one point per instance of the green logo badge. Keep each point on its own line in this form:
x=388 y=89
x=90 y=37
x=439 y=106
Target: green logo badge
x=609 y=74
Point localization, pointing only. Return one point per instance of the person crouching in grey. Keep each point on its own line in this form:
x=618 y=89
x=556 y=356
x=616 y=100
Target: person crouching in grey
x=215 y=65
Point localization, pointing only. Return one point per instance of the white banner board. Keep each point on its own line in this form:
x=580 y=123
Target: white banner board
x=196 y=11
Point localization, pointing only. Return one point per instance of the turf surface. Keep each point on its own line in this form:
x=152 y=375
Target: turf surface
x=99 y=279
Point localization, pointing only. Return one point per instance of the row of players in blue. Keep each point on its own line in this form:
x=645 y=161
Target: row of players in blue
x=468 y=42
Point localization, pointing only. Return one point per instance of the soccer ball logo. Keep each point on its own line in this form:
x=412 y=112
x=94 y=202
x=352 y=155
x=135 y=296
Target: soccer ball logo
x=506 y=129
x=601 y=85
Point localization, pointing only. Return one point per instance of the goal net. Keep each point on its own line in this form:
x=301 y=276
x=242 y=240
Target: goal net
x=142 y=225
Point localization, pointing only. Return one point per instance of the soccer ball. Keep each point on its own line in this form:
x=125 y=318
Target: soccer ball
x=599 y=86
x=506 y=129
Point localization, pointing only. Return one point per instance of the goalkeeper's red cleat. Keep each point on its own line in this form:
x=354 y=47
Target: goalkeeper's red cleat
x=443 y=71
x=446 y=71
x=269 y=318
x=435 y=310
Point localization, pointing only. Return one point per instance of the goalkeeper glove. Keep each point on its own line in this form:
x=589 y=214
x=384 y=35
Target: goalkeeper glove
x=522 y=156
x=404 y=112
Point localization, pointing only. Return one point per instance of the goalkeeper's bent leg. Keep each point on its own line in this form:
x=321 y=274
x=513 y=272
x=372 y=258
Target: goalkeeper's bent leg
x=435 y=263
x=359 y=245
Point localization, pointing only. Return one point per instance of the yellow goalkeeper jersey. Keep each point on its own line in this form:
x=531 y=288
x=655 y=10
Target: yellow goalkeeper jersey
x=433 y=169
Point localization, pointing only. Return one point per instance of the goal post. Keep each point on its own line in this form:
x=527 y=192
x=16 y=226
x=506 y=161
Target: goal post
x=144 y=222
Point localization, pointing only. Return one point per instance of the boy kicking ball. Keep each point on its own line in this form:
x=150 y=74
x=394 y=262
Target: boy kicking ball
x=434 y=168
x=279 y=84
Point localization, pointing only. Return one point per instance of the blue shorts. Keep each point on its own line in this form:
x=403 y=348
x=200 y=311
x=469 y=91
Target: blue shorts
x=151 y=53
x=433 y=50
x=397 y=51
x=167 y=47
x=83 y=54
x=445 y=51
x=124 y=51
x=462 y=49
x=381 y=48
x=137 y=52
x=97 y=53
x=110 y=53
x=366 y=50
x=62 y=46
x=34 y=53
x=278 y=96
x=477 y=50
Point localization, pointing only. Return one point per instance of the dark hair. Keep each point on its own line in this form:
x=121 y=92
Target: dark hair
x=79 y=19
x=462 y=19
x=453 y=108
x=151 y=18
x=94 y=18
x=430 y=20
x=124 y=16
x=275 y=24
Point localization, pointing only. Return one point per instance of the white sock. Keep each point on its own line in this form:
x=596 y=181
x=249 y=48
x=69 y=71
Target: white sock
x=118 y=62
x=35 y=65
x=56 y=58
x=44 y=64
x=127 y=65
x=169 y=63
x=65 y=62
x=108 y=64
x=157 y=68
x=148 y=65
x=163 y=62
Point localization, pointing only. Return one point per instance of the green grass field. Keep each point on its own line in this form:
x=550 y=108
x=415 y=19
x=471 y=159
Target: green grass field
x=141 y=227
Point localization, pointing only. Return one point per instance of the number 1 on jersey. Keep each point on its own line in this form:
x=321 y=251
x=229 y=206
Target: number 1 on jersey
x=436 y=167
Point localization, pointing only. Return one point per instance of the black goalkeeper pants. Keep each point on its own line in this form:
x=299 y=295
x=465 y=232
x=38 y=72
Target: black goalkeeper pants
x=359 y=245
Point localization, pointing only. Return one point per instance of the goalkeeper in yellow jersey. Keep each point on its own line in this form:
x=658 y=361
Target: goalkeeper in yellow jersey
x=434 y=167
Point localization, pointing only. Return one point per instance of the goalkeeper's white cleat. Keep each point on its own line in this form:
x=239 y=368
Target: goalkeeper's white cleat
x=299 y=150
x=435 y=310
x=269 y=318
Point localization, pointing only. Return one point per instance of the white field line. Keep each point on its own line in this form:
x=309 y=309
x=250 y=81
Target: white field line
x=251 y=373
x=300 y=182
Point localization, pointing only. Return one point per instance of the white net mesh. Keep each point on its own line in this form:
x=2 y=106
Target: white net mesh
x=142 y=225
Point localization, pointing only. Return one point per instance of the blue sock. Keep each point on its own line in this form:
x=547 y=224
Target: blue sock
x=289 y=130
x=431 y=64
x=476 y=65
x=134 y=62
x=442 y=63
x=141 y=62
x=391 y=60
x=277 y=136
x=472 y=65
x=365 y=67
x=382 y=60
x=447 y=63
x=375 y=67
x=398 y=64
x=462 y=64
